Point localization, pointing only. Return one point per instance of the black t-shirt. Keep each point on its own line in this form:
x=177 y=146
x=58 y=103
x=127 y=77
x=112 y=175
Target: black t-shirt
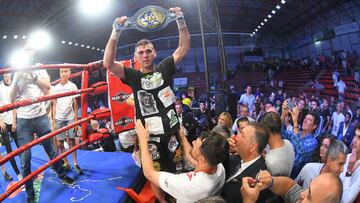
x=154 y=98
x=325 y=113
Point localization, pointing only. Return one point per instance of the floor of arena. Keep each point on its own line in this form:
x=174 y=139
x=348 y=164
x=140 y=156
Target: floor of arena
x=103 y=171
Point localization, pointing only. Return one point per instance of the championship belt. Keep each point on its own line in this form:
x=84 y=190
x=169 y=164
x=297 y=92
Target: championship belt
x=148 y=19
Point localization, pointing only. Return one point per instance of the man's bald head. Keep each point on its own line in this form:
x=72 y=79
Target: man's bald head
x=326 y=187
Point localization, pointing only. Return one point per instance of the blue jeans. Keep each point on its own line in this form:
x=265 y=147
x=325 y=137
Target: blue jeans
x=25 y=133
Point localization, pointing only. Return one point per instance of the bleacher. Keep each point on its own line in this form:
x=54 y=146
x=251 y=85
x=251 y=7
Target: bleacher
x=351 y=94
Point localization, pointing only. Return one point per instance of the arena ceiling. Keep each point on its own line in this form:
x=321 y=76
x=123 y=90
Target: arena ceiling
x=64 y=21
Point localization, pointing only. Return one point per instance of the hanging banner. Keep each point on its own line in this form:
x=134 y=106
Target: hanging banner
x=253 y=58
x=180 y=82
x=122 y=112
x=347 y=28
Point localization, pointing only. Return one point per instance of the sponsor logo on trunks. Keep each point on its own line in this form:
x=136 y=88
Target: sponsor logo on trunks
x=124 y=121
x=120 y=97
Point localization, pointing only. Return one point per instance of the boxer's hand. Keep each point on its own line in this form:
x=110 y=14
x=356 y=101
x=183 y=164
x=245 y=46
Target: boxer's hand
x=116 y=33
x=121 y=20
x=177 y=11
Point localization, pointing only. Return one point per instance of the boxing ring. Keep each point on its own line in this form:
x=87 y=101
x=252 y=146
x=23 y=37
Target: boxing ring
x=103 y=171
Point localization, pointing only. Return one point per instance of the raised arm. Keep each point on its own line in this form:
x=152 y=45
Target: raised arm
x=146 y=161
x=110 y=51
x=186 y=147
x=184 y=36
x=278 y=185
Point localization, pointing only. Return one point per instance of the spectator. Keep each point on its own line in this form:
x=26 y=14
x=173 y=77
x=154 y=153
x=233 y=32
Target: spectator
x=280 y=159
x=189 y=122
x=244 y=113
x=303 y=111
x=225 y=120
x=325 y=142
x=65 y=113
x=335 y=160
x=250 y=144
x=341 y=87
x=346 y=130
x=248 y=99
x=356 y=117
x=206 y=155
x=233 y=162
x=336 y=118
x=292 y=192
x=335 y=77
x=203 y=117
x=33 y=119
x=7 y=129
x=304 y=141
x=325 y=112
x=186 y=100
x=351 y=175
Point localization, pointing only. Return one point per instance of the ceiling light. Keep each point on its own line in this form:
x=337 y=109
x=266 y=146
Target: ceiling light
x=256 y=30
x=88 y=47
x=283 y=1
x=265 y=20
x=94 y=7
x=92 y=47
x=278 y=7
x=63 y=42
x=24 y=37
x=15 y=36
x=76 y=44
x=262 y=23
x=39 y=39
x=97 y=49
x=269 y=16
x=253 y=33
x=19 y=59
x=82 y=45
x=259 y=26
x=273 y=11
x=5 y=36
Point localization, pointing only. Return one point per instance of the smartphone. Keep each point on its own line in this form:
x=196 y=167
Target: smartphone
x=290 y=104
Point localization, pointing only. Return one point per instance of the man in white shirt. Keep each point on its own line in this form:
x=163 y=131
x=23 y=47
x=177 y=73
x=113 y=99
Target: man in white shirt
x=248 y=99
x=336 y=118
x=206 y=155
x=280 y=159
x=351 y=175
x=341 y=89
x=65 y=113
x=33 y=119
x=6 y=120
x=335 y=160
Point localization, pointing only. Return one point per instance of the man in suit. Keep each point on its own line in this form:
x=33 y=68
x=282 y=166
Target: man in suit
x=346 y=130
x=250 y=143
x=187 y=121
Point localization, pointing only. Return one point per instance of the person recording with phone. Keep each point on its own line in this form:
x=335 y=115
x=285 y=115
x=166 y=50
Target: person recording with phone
x=304 y=140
